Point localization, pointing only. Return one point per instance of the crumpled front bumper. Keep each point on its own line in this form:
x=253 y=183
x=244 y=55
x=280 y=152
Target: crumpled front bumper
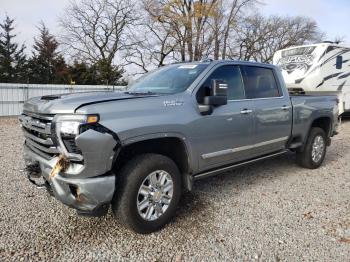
x=85 y=186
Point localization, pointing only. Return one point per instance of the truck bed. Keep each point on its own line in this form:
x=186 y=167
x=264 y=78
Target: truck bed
x=304 y=108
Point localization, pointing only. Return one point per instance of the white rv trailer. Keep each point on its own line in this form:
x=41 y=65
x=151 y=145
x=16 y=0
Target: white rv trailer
x=318 y=69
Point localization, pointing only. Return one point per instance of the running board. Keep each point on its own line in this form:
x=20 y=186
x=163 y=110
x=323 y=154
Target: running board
x=220 y=170
x=295 y=145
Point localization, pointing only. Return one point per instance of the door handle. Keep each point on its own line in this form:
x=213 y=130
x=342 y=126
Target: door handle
x=285 y=107
x=246 y=111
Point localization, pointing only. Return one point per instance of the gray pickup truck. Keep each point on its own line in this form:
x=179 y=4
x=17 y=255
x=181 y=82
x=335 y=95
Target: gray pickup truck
x=137 y=150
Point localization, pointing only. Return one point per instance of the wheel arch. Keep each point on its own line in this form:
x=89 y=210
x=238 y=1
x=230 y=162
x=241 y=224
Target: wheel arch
x=173 y=147
x=323 y=122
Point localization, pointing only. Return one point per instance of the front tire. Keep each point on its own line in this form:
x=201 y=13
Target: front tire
x=315 y=149
x=147 y=194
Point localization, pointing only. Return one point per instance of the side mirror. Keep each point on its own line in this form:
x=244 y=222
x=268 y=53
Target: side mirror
x=339 y=62
x=218 y=93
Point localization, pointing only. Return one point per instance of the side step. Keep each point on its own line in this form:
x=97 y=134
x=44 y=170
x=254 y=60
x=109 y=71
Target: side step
x=222 y=169
x=295 y=145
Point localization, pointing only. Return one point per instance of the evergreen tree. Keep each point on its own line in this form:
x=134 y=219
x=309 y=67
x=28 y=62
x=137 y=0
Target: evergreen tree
x=107 y=74
x=82 y=74
x=13 y=64
x=47 y=66
x=61 y=71
x=100 y=73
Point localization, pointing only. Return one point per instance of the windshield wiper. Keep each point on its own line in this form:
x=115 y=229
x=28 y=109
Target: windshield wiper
x=139 y=93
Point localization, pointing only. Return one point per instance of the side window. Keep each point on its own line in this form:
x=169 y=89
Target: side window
x=339 y=62
x=230 y=74
x=259 y=82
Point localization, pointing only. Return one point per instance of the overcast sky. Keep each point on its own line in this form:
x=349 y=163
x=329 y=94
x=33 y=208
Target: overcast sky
x=333 y=17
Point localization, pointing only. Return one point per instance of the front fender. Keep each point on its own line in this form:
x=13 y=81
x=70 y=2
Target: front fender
x=190 y=153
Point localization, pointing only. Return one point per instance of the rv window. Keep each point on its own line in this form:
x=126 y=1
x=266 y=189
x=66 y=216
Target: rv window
x=339 y=62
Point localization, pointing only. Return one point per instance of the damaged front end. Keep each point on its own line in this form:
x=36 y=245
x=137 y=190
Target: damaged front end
x=73 y=155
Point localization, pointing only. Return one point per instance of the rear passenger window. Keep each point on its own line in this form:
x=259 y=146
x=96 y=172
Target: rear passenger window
x=259 y=82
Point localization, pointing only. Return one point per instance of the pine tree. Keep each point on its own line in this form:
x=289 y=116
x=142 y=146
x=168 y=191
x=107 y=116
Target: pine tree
x=82 y=74
x=47 y=66
x=100 y=73
x=108 y=74
x=13 y=63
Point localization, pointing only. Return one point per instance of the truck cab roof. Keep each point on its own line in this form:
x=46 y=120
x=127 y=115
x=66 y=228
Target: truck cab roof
x=226 y=61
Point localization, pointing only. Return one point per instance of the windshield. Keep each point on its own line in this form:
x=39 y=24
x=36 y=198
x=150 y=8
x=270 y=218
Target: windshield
x=168 y=80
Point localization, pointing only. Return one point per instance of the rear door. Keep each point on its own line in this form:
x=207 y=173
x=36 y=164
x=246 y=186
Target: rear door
x=272 y=111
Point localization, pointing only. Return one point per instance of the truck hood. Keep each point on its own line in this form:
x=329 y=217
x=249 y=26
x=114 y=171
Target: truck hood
x=69 y=103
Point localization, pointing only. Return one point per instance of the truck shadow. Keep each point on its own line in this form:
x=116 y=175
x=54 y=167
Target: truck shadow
x=196 y=209
x=244 y=178
x=238 y=179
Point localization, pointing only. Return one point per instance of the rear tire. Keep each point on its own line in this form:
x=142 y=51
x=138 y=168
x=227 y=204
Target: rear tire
x=147 y=193
x=315 y=149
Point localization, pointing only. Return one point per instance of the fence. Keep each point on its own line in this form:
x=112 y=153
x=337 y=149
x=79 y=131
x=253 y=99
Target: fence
x=12 y=96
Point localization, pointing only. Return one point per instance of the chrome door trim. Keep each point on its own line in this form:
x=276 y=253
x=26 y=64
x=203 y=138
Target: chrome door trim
x=220 y=170
x=246 y=111
x=254 y=99
x=242 y=148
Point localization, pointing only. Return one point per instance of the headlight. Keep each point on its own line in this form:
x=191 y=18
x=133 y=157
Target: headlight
x=67 y=127
x=70 y=124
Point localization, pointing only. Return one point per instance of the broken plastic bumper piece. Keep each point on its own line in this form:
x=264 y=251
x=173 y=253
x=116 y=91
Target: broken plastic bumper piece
x=87 y=186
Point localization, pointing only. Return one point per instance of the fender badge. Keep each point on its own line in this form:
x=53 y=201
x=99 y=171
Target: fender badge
x=173 y=103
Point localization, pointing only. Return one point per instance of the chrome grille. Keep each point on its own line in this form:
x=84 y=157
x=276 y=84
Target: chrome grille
x=37 y=132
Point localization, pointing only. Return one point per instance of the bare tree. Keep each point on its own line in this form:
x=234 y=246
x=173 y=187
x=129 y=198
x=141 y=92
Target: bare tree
x=229 y=13
x=162 y=31
x=153 y=49
x=96 y=30
x=200 y=28
x=156 y=40
x=258 y=37
x=185 y=21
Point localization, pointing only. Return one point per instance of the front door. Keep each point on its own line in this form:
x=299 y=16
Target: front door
x=222 y=137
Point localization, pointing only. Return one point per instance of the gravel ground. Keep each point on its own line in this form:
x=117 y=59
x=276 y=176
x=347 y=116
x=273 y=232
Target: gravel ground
x=272 y=210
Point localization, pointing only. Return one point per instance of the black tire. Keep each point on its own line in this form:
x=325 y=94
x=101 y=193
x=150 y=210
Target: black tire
x=130 y=178
x=304 y=158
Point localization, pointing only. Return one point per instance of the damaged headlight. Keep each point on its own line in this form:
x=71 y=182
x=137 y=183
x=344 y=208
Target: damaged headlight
x=67 y=127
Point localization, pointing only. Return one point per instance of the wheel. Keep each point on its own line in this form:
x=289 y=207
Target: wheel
x=147 y=192
x=315 y=149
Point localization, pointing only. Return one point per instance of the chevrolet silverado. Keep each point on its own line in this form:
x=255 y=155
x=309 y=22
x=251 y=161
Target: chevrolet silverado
x=137 y=150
